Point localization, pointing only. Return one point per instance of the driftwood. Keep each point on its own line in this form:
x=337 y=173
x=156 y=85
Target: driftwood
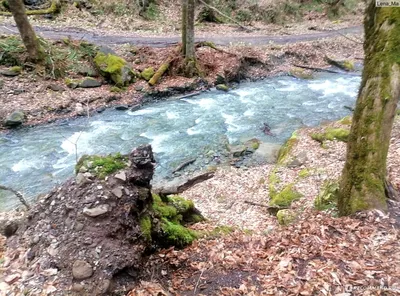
x=184 y=164
x=18 y=194
x=54 y=8
x=224 y=15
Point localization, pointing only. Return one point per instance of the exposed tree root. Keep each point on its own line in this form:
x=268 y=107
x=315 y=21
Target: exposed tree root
x=18 y=194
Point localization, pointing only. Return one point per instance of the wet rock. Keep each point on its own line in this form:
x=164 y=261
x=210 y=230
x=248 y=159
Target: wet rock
x=81 y=270
x=136 y=107
x=89 y=83
x=122 y=107
x=15 y=119
x=55 y=87
x=96 y=211
x=238 y=150
x=101 y=109
x=222 y=87
x=220 y=80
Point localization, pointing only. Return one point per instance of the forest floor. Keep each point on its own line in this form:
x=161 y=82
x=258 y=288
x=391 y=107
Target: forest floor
x=247 y=252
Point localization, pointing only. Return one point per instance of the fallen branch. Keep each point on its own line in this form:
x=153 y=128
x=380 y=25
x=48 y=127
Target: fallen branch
x=212 y=45
x=18 y=194
x=160 y=72
x=324 y=70
x=224 y=15
x=54 y=8
x=184 y=164
x=272 y=210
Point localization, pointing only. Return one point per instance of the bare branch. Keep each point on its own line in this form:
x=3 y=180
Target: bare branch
x=18 y=194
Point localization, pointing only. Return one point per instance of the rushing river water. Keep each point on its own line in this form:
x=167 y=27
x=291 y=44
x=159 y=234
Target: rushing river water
x=33 y=160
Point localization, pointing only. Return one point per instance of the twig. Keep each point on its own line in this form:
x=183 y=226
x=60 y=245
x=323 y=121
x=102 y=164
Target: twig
x=15 y=32
x=18 y=194
x=224 y=15
x=198 y=281
x=257 y=204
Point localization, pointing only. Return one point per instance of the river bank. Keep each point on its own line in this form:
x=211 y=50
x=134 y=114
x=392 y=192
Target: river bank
x=44 y=100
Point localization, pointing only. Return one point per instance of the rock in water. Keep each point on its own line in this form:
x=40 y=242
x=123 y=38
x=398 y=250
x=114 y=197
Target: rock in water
x=15 y=119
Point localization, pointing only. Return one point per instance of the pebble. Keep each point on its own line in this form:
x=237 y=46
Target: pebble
x=96 y=211
x=12 y=278
x=81 y=270
x=121 y=176
x=117 y=191
x=77 y=287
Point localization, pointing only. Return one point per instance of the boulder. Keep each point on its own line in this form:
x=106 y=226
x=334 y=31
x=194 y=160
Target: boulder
x=114 y=68
x=15 y=119
x=222 y=87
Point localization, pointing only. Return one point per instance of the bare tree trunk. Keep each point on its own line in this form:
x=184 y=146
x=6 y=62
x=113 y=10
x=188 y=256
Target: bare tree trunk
x=362 y=185
x=184 y=25
x=190 y=52
x=28 y=35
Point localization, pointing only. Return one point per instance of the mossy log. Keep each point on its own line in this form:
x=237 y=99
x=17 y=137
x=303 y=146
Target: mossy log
x=160 y=72
x=345 y=65
x=54 y=8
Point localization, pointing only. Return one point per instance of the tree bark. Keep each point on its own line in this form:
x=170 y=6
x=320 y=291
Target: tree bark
x=28 y=35
x=184 y=25
x=362 y=184
x=190 y=51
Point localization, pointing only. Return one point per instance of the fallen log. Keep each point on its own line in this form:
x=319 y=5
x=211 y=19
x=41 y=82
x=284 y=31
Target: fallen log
x=54 y=8
x=160 y=72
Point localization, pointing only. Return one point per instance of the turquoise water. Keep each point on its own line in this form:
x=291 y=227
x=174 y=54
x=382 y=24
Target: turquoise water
x=33 y=160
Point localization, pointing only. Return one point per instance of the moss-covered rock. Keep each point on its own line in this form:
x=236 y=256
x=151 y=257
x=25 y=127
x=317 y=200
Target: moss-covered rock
x=327 y=199
x=114 y=68
x=301 y=73
x=304 y=173
x=71 y=83
x=222 y=87
x=147 y=73
x=174 y=212
x=285 y=217
x=286 y=148
x=101 y=166
x=331 y=134
x=285 y=197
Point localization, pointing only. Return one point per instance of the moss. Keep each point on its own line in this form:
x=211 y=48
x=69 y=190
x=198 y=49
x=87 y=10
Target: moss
x=331 y=134
x=273 y=180
x=345 y=120
x=54 y=8
x=101 y=166
x=116 y=89
x=286 y=148
x=182 y=205
x=285 y=197
x=327 y=199
x=304 y=173
x=147 y=73
x=348 y=65
x=16 y=69
x=146 y=227
x=217 y=232
x=114 y=68
x=176 y=234
x=398 y=112
x=285 y=217
x=160 y=72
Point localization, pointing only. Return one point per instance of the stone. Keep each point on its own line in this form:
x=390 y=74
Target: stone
x=105 y=287
x=96 y=211
x=18 y=91
x=147 y=73
x=89 y=83
x=220 y=80
x=101 y=109
x=83 y=169
x=136 y=107
x=55 y=87
x=81 y=270
x=121 y=107
x=11 y=72
x=81 y=179
x=15 y=119
x=299 y=160
x=222 y=87
x=80 y=111
x=9 y=228
x=238 y=150
x=121 y=176
x=77 y=287
x=117 y=191
x=78 y=226
x=12 y=278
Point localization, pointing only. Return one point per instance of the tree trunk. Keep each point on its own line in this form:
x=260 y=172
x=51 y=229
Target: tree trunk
x=28 y=35
x=362 y=185
x=184 y=25
x=190 y=52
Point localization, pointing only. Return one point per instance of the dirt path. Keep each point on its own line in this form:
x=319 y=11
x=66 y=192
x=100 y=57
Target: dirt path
x=101 y=39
